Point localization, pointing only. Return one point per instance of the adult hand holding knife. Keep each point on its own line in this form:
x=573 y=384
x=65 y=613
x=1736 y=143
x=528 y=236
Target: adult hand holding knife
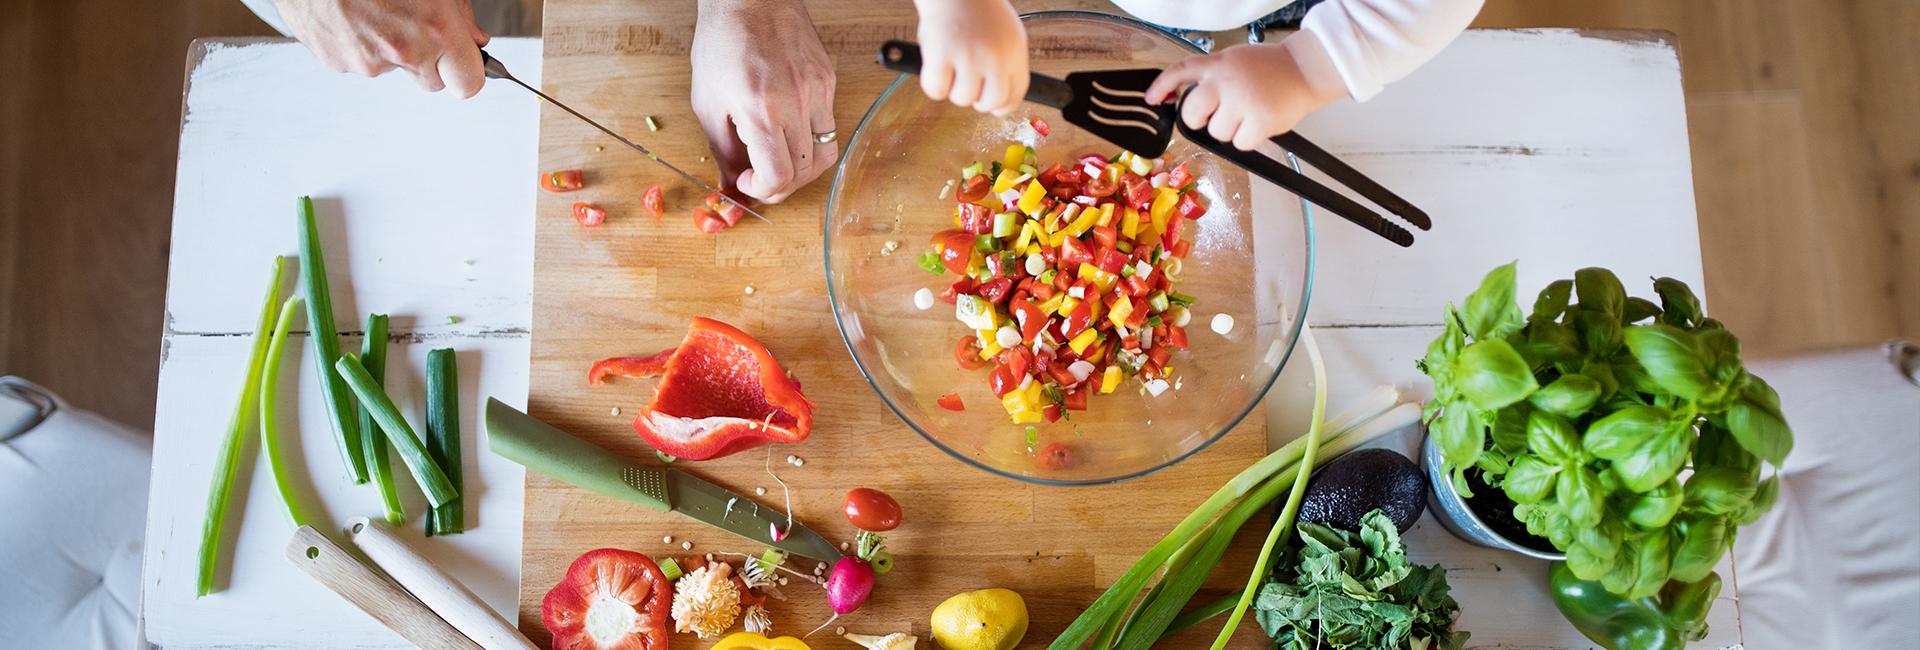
x=762 y=83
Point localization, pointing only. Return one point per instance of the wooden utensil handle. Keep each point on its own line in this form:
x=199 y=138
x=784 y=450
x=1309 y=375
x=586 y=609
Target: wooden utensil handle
x=452 y=601
x=340 y=571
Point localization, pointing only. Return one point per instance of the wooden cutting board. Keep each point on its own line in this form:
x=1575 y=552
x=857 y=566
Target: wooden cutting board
x=630 y=287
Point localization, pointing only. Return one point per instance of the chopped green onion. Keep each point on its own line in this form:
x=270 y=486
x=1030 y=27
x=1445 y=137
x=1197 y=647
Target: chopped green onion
x=882 y=562
x=1004 y=223
x=1154 y=321
x=269 y=431
x=1027 y=169
x=986 y=244
x=670 y=568
x=652 y=124
x=373 y=442
x=1123 y=246
x=326 y=344
x=1047 y=278
x=970 y=171
x=1189 y=186
x=1031 y=160
x=1033 y=437
x=772 y=558
x=1116 y=157
x=665 y=457
x=1159 y=301
x=1180 y=298
x=432 y=481
x=233 y=445
x=931 y=262
x=443 y=438
x=1126 y=271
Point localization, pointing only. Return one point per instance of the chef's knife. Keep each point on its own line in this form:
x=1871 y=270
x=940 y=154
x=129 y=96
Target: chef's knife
x=542 y=448
x=497 y=70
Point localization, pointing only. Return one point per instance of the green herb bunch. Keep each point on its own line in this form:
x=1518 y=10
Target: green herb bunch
x=1356 y=590
x=1585 y=414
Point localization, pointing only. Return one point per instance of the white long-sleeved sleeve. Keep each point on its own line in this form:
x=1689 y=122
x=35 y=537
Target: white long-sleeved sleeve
x=1372 y=43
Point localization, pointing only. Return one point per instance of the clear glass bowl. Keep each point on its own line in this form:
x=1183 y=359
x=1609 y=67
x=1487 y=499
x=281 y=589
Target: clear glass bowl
x=887 y=191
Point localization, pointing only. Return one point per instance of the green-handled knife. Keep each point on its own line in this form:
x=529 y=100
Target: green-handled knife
x=542 y=448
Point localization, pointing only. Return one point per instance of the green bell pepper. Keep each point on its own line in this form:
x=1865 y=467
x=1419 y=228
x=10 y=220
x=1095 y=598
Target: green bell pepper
x=1664 y=621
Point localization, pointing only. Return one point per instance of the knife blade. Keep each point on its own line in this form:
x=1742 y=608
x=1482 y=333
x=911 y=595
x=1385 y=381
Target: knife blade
x=497 y=70
x=541 y=447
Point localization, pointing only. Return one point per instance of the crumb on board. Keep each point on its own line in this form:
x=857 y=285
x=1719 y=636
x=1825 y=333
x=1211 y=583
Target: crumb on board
x=667 y=540
x=749 y=290
x=616 y=410
x=759 y=490
x=686 y=546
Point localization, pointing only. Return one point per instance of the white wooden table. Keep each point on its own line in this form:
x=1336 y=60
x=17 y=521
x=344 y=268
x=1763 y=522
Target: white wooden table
x=1556 y=148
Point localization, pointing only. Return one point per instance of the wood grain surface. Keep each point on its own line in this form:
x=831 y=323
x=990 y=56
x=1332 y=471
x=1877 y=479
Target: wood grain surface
x=630 y=287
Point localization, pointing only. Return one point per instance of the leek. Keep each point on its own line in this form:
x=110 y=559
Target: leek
x=234 y=444
x=443 y=438
x=432 y=481
x=269 y=430
x=326 y=343
x=373 y=356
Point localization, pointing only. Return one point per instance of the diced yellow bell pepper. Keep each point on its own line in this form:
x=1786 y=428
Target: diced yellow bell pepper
x=1031 y=249
x=1130 y=224
x=1121 y=310
x=1159 y=220
x=1056 y=239
x=1110 y=380
x=751 y=641
x=1106 y=215
x=1005 y=181
x=1067 y=303
x=1052 y=305
x=1084 y=339
x=989 y=344
x=1015 y=402
x=1084 y=222
x=1035 y=395
x=1101 y=280
x=1125 y=159
x=1031 y=200
x=1099 y=307
x=1016 y=156
x=1164 y=199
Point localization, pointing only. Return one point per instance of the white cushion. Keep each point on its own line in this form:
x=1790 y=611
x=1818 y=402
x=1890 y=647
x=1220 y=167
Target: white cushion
x=1836 y=564
x=73 y=496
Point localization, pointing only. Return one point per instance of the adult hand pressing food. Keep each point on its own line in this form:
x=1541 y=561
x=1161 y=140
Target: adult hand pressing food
x=434 y=41
x=763 y=89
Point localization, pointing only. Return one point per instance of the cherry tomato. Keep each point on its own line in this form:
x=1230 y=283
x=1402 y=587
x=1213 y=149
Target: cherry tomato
x=1017 y=359
x=1100 y=187
x=1002 y=380
x=651 y=201
x=942 y=236
x=976 y=219
x=731 y=211
x=588 y=214
x=1179 y=177
x=1055 y=457
x=872 y=510
x=1074 y=252
x=708 y=222
x=1040 y=127
x=565 y=181
x=975 y=188
x=968 y=354
x=951 y=402
x=956 y=252
x=996 y=290
x=1139 y=191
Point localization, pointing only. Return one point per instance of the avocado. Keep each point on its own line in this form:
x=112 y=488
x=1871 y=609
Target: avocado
x=1357 y=483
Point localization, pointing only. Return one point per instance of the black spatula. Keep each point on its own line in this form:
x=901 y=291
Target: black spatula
x=1112 y=104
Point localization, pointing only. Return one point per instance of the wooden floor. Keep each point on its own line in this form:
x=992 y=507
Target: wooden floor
x=1804 y=117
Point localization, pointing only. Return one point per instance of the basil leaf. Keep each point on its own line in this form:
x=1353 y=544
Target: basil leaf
x=1656 y=562
x=1719 y=490
x=1552 y=301
x=1759 y=429
x=1492 y=375
x=1551 y=437
x=1586 y=564
x=1579 y=492
x=1529 y=480
x=1658 y=460
x=1569 y=396
x=1680 y=307
x=1459 y=434
x=1626 y=568
x=1671 y=360
x=1601 y=372
x=1633 y=376
x=1600 y=291
x=1598 y=331
x=1763 y=498
x=1703 y=540
x=1510 y=429
x=1721 y=352
x=1625 y=431
x=1552 y=341
x=1490 y=311
x=1639 y=309
x=1657 y=507
x=1602 y=539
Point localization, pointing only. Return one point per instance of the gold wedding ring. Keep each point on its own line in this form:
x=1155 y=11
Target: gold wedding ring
x=827 y=137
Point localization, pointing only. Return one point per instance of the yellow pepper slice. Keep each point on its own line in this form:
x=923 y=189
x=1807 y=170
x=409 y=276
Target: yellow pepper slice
x=1164 y=199
x=1026 y=235
x=1130 y=224
x=751 y=641
x=1016 y=156
x=1084 y=339
x=1084 y=222
x=1030 y=200
x=1121 y=310
x=1005 y=181
x=1052 y=305
x=1110 y=380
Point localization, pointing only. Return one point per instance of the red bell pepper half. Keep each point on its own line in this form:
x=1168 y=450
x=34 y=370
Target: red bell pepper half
x=628 y=595
x=630 y=367
x=722 y=393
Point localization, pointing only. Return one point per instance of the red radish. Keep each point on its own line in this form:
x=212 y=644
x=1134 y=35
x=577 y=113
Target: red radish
x=847 y=588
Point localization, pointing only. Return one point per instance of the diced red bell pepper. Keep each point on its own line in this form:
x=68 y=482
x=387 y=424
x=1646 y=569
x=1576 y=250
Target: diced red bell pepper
x=1139 y=191
x=1002 y=380
x=951 y=402
x=1096 y=353
x=1074 y=252
x=976 y=219
x=1130 y=342
x=1077 y=321
x=1182 y=248
x=708 y=222
x=1163 y=283
x=1159 y=354
x=1104 y=236
x=653 y=202
x=1040 y=127
x=956 y=252
x=1050 y=411
x=976 y=188
x=629 y=367
x=1042 y=292
x=588 y=214
x=1178 y=178
x=1051 y=175
x=1070 y=177
x=1139 y=315
x=1076 y=399
x=967 y=353
x=1060 y=374
x=1151 y=370
x=1019 y=359
x=1190 y=207
x=618 y=583
x=722 y=393
x=1176 y=225
x=1176 y=337
x=996 y=290
x=1031 y=319
x=1111 y=261
x=1136 y=287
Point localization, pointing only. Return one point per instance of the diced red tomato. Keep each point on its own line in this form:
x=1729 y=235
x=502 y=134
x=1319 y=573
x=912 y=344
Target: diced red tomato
x=1130 y=342
x=1051 y=175
x=563 y=181
x=1031 y=319
x=1139 y=193
x=1064 y=192
x=1100 y=187
x=1176 y=337
x=1070 y=177
x=1040 y=127
x=1139 y=315
x=1055 y=457
x=951 y=402
x=1111 y=260
x=1019 y=359
x=1104 y=236
x=1190 y=207
x=976 y=219
x=1074 y=252
x=995 y=267
x=1179 y=178
x=708 y=222
x=1076 y=399
x=968 y=354
x=588 y=214
x=1077 y=320
x=975 y=188
x=1002 y=380
x=956 y=252
x=1042 y=292
x=728 y=210
x=651 y=202
x=965 y=284
x=1182 y=248
x=996 y=290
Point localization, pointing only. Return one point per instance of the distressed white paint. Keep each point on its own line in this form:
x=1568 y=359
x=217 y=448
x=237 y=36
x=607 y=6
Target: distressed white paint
x=424 y=183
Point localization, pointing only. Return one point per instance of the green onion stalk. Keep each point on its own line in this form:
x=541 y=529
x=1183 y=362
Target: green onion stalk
x=373 y=441
x=297 y=515
x=432 y=481
x=326 y=344
x=443 y=438
x=233 y=446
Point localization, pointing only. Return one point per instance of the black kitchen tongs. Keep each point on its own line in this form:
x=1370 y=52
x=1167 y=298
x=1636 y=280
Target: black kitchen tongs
x=1112 y=104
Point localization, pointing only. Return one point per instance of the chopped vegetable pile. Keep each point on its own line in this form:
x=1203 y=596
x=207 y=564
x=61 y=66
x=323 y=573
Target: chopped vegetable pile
x=1066 y=275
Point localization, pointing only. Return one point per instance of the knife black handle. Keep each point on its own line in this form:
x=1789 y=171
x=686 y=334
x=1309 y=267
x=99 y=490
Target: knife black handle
x=901 y=56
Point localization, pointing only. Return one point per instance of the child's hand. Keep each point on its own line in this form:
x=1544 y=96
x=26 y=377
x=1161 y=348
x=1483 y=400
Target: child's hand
x=1249 y=93
x=973 y=53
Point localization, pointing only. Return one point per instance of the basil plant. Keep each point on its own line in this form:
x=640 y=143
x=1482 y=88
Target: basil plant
x=1588 y=413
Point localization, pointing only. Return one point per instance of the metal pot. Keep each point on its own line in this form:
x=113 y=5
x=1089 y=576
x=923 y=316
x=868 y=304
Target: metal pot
x=1458 y=518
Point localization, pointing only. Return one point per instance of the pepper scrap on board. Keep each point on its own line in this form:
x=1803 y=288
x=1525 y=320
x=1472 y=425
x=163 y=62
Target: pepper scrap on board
x=722 y=393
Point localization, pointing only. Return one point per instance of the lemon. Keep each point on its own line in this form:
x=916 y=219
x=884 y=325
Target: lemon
x=989 y=619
